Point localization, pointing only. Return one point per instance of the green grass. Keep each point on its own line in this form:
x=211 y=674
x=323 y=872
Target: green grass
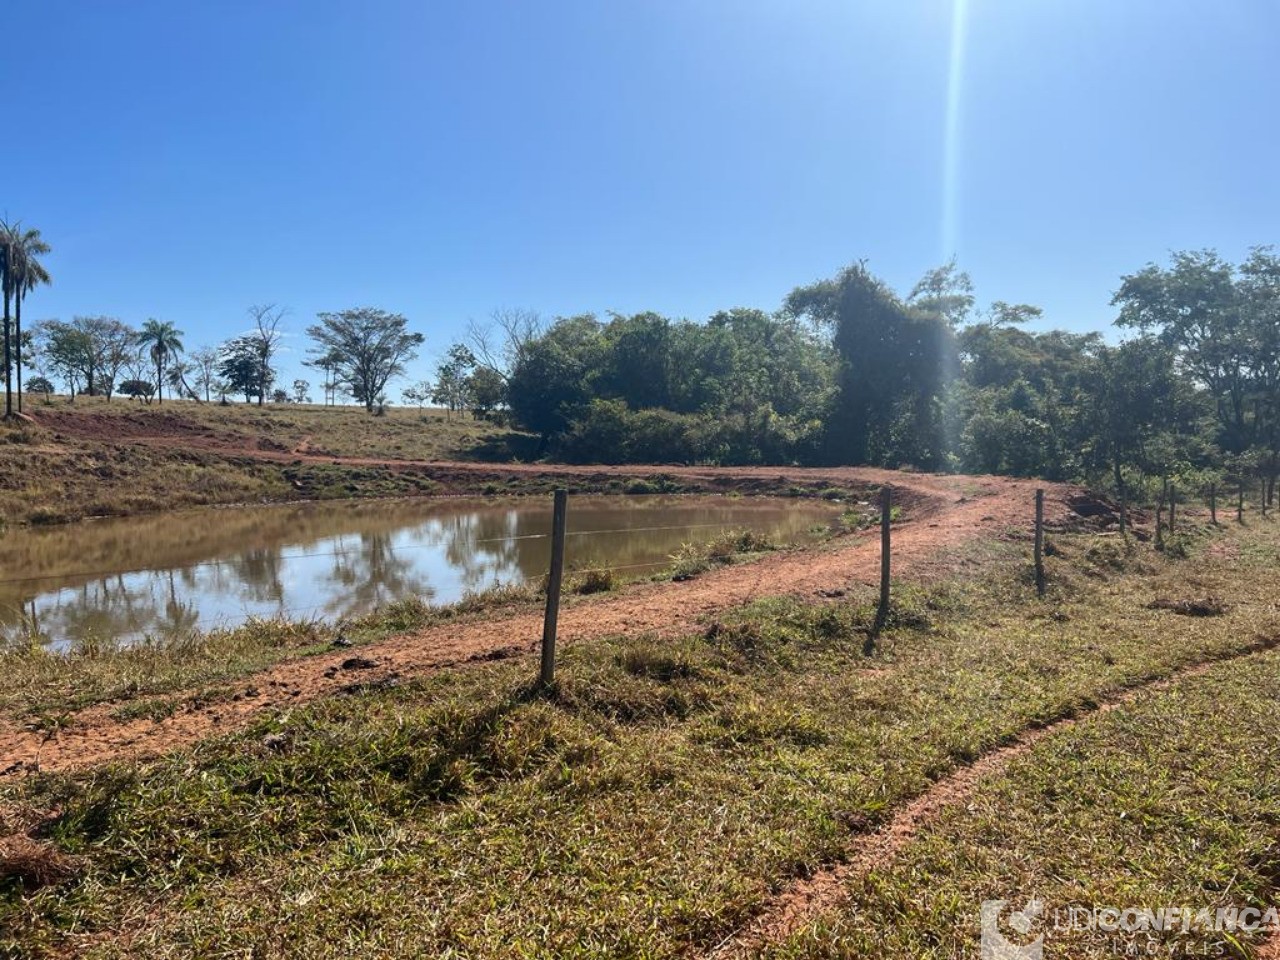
x=648 y=808
x=102 y=480
x=55 y=486
x=1171 y=801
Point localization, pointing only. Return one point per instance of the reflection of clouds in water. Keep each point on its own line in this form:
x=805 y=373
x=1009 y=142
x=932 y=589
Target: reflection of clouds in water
x=331 y=561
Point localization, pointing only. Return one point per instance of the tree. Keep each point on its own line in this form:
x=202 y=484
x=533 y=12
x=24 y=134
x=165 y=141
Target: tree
x=637 y=367
x=177 y=377
x=894 y=358
x=205 y=370
x=1017 y=405
x=300 y=388
x=945 y=292
x=8 y=279
x=326 y=361
x=263 y=342
x=241 y=368
x=1140 y=413
x=89 y=350
x=138 y=389
x=369 y=348
x=41 y=386
x=163 y=341
x=487 y=392
x=501 y=343
x=553 y=377
x=417 y=393
x=138 y=368
x=28 y=273
x=1259 y=290
x=1193 y=307
x=452 y=379
x=65 y=350
x=280 y=396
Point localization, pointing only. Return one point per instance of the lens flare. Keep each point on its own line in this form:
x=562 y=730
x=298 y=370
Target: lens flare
x=951 y=148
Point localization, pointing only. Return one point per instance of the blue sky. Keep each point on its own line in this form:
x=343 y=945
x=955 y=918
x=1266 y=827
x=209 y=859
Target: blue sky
x=444 y=159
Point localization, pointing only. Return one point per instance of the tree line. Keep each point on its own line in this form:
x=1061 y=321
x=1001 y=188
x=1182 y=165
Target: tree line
x=850 y=371
x=359 y=350
x=847 y=370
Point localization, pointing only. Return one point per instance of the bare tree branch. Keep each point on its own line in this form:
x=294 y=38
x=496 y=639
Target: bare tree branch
x=501 y=343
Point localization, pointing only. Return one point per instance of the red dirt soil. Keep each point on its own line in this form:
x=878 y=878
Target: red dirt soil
x=172 y=430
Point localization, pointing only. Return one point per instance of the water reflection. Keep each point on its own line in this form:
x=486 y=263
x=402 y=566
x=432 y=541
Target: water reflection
x=166 y=575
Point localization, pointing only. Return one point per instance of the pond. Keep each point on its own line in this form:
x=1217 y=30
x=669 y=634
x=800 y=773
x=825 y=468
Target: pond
x=122 y=580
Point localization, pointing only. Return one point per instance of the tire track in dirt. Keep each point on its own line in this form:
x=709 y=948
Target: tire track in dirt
x=807 y=899
x=946 y=512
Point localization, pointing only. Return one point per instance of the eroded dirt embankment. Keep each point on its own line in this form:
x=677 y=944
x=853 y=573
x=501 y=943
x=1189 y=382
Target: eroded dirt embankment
x=941 y=512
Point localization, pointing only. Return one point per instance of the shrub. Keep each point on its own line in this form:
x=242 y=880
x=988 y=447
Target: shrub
x=694 y=558
x=593 y=581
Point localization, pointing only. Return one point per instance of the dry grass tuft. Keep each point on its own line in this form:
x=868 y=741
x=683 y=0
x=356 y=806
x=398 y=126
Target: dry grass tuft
x=1196 y=607
x=35 y=863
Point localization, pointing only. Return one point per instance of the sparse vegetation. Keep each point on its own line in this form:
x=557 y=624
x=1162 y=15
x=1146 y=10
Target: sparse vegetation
x=695 y=558
x=427 y=801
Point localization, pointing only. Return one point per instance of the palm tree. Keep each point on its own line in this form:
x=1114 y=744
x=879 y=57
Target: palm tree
x=28 y=273
x=164 y=340
x=177 y=378
x=8 y=247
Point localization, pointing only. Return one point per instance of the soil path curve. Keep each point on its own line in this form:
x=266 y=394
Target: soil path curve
x=806 y=900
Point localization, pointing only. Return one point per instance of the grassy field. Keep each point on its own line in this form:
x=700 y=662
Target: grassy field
x=403 y=433
x=99 y=458
x=663 y=794
x=96 y=458
x=1171 y=801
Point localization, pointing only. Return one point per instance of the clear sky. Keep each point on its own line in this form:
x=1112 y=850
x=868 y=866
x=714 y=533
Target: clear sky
x=441 y=159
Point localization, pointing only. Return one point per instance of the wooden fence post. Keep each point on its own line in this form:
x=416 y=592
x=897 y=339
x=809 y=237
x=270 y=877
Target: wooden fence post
x=1164 y=492
x=1173 y=506
x=882 y=611
x=1264 y=496
x=1240 y=503
x=1213 y=504
x=1040 y=541
x=549 y=622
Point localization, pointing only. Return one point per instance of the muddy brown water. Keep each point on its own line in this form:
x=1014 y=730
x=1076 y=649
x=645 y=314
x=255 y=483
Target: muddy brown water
x=121 y=581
